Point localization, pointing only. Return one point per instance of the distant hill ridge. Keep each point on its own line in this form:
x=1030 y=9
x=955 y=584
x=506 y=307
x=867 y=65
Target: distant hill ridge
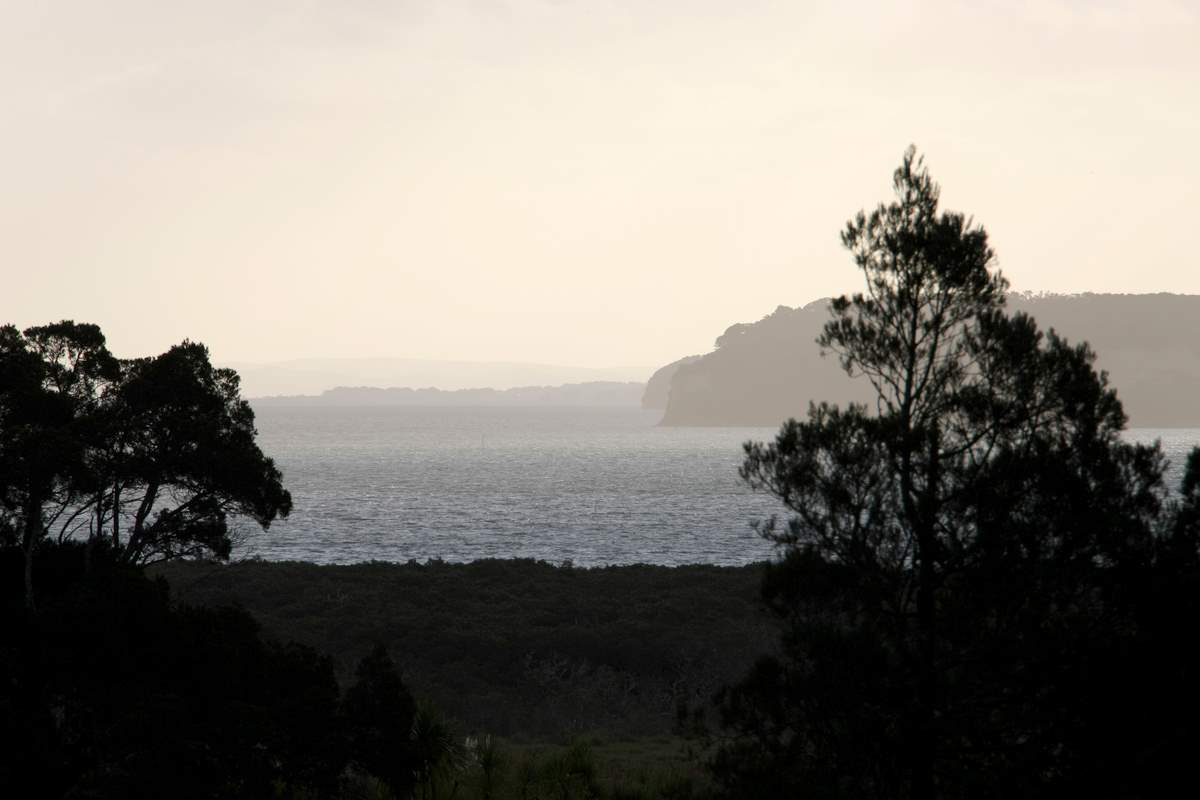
x=590 y=393
x=311 y=376
x=764 y=372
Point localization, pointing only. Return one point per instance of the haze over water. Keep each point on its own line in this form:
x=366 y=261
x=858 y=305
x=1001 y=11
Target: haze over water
x=594 y=486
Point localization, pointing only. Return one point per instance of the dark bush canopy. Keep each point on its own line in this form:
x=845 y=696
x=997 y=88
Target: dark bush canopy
x=110 y=690
x=149 y=455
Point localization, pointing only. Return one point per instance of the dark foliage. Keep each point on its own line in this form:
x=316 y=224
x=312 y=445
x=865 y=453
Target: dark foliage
x=980 y=572
x=149 y=456
x=516 y=648
x=379 y=713
x=183 y=447
x=110 y=691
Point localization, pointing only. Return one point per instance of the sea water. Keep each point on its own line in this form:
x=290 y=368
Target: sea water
x=593 y=486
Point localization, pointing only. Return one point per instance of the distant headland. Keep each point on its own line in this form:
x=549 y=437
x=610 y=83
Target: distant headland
x=764 y=372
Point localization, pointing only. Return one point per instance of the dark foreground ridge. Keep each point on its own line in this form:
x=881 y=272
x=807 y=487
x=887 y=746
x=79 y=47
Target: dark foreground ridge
x=517 y=648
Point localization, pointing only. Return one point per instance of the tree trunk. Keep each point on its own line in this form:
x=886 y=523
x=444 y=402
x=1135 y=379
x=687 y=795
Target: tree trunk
x=29 y=542
x=116 y=526
x=924 y=785
x=926 y=745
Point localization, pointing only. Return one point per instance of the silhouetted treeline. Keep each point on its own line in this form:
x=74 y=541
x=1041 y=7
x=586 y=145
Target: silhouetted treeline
x=147 y=456
x=109 y=687
x=117 y=689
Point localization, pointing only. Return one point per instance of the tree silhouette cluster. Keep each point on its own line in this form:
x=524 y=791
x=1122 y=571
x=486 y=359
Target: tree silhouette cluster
x=107 y=687
x=987 y=591
x=151 y=455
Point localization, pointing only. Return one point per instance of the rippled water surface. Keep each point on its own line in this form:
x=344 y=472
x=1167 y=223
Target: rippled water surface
x=595 y=486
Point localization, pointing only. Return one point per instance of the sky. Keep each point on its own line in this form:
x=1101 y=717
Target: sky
x=598 y=184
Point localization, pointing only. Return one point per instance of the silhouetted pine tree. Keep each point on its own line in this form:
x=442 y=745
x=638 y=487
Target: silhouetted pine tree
x=957 y=557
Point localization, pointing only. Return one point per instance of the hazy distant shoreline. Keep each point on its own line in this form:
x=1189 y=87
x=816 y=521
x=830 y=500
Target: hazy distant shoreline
x=312 y=376
x=763 y=372
x=624 y=394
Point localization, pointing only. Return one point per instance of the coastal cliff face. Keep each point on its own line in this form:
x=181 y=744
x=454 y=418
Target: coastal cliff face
x=761 y=373
x=764 y=372
x=658 y=388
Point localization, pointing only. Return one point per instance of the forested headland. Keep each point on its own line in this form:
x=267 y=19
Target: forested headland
x=762 y=372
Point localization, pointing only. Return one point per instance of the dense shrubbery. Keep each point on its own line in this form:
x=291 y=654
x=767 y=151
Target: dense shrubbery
x=114 y=690
x=110 y=691
x=516 y=648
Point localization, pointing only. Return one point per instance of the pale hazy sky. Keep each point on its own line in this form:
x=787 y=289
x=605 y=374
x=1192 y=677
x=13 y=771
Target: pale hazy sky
x=590 y=183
